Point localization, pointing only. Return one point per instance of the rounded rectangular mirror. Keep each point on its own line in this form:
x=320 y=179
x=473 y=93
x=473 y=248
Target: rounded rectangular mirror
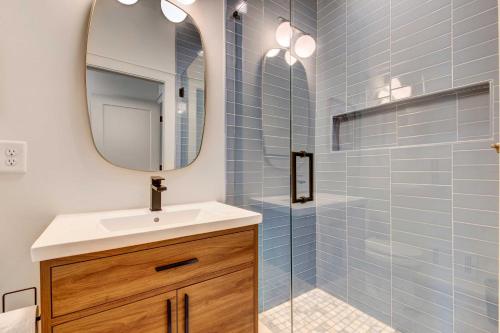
x=145 y=84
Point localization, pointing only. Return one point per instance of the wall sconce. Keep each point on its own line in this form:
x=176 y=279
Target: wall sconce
x=304 y=46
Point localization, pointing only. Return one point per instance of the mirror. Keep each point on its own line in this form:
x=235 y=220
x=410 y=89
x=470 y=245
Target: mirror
x=145 y=84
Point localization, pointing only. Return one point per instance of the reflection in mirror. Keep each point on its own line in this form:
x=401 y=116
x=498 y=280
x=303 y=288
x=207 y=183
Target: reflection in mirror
x=145 y=86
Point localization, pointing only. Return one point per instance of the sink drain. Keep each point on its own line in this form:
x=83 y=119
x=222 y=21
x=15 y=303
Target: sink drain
x=156 y=219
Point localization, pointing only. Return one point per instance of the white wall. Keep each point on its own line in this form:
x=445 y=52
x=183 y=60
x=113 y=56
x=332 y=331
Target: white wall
x=43 y=102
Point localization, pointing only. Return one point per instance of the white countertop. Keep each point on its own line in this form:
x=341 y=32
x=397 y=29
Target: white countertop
x=75 y=234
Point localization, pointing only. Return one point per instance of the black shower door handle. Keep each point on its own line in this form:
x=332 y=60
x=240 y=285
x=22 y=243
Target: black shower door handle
x=310 y=156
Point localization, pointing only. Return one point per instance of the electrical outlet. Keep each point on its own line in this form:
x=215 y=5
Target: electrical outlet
x=11 y=162
x=11 y=151
x=14 y=158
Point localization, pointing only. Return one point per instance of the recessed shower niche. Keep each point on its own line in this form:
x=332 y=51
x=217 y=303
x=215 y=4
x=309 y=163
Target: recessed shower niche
x=459 y=114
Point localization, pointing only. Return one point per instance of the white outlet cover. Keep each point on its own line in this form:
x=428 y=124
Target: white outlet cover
x=13 y=156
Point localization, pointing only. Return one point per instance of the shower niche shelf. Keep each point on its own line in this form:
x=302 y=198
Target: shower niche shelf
x=484 y=87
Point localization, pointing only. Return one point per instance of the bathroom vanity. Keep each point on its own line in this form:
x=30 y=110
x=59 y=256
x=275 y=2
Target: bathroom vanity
x=195 y=273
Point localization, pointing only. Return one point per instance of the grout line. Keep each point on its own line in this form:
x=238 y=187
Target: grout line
x=390 y=227
x=452 y=146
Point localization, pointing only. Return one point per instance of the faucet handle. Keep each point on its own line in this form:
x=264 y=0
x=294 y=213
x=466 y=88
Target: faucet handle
x=156 y=180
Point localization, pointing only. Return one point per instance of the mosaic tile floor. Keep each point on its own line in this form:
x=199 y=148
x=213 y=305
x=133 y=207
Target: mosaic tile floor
x=319 y=312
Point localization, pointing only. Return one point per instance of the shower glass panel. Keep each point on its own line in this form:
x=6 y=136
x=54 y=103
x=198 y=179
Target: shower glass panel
x=258 y=117
x=406 y=203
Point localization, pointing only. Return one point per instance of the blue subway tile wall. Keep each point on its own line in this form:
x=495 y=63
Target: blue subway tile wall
x=368 y=231
x=331 y=169
x=407 y=196
x=421 y=224
x=368 y=52
x=421 y=45
x=475 y=235
x=475 y=41
x=259 y=111
x=331 y=220
x=244 y=157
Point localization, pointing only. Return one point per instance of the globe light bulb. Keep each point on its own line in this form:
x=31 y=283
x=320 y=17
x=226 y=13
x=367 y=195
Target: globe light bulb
x=172 y=12
x=284 y=34
x=128 y=2
x=305 y=46
x=186 y=2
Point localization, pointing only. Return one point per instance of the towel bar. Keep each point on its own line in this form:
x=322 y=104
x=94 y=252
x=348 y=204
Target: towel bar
x=4 y=297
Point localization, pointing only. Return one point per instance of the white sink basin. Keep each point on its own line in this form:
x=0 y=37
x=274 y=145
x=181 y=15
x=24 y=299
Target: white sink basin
x=75 y=234
x=153 y=220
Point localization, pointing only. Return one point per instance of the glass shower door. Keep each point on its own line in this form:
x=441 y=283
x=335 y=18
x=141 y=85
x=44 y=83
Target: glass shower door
x=405 y=218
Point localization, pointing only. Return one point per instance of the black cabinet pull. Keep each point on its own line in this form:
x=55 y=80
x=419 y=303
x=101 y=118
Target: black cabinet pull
x=310 y=156
x=177 y=264
x=186 y=313
x=169 y=316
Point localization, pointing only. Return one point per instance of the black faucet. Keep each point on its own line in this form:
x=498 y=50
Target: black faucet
x=156 y=189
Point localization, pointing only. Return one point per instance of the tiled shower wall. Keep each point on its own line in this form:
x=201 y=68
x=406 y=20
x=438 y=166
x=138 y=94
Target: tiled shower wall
x=258 y=109
x=407 y=201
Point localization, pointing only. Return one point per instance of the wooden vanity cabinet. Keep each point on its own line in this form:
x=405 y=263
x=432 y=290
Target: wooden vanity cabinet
x=203 y=283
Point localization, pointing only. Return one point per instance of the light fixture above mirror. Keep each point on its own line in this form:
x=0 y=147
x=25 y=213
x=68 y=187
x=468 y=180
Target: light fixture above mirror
x=128 y=2
x=305 y=46
x=173 y=13
x=284 y=34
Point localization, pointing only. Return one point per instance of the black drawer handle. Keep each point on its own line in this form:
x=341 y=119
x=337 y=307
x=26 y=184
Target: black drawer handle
x=169 y=316
x=177 y=264
x=186 y=313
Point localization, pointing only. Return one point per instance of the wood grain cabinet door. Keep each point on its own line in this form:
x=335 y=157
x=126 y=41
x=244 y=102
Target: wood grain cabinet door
x=221 y=305
x=157 y=314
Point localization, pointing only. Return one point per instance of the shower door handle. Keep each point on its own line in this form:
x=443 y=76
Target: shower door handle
x=310 y=156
